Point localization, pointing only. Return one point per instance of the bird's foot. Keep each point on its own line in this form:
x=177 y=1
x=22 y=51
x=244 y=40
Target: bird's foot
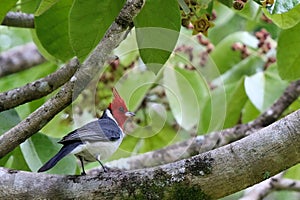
x=106 y=169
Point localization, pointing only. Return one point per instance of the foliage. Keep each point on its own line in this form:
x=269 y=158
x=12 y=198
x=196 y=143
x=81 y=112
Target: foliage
x=179 y=84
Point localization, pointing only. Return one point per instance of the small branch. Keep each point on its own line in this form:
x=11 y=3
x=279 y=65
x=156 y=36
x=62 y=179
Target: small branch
x=210 y=175
x=275 y=183
x=210 y=141
x=290 y=94
x=19 y=59
x=285 y=184
x=39 y=88
x=18 y=19
x=260 y=190
x=69 y=92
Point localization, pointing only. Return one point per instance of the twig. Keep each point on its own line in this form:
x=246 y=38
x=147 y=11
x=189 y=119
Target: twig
x=19 y=58
x=18 y=19
x=275 y=183
x=38 y=88
x=69 y=92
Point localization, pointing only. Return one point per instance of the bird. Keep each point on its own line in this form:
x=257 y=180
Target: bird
x=96 y=140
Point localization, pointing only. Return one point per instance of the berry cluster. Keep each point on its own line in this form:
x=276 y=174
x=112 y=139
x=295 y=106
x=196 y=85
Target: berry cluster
x=209 y=47
x=190 y=52
x=265 y=44
x=263 y=37
x=242 y=48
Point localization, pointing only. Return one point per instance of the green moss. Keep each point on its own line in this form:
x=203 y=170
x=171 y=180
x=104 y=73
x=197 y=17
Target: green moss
x=185 y=192
x=146 y=188
x=266 y=175
x=162 y=185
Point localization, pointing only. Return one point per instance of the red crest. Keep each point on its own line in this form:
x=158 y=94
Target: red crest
x=118 y=108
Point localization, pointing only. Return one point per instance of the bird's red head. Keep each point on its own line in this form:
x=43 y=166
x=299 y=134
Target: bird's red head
x=119 y=109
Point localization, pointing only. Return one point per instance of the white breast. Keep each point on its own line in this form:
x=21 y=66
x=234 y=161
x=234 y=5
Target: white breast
x=100 y=150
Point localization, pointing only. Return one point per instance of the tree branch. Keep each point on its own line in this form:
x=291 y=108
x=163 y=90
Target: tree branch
x=38 y=88
x=18 y=19
x=209 y=175
x=69 y=92
x=203 y=143
x=276 y=183
x=19 y=58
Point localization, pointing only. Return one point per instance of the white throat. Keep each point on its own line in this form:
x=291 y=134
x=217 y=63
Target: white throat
x=109 y=114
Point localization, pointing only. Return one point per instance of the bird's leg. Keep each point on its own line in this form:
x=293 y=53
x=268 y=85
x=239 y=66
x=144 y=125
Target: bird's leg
x=82 y=165
x=104 y=168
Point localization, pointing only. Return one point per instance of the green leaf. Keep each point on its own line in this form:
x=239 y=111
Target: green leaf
x=250 y=11
x=288 y=53
x=8 y=119
x=282 y=6
x=248 y=66
x=226 y=23
x=89 y=21
x=29 y=6
x=223 y=55
x=249 y=112
x=157 y=133
x=185 y=91
x=264 y=88
x=227 y=3
x=52 y=29
x=293 y=173
x=285 y=20
x=223 y=107
x=157 y=31
x=134 y=86
x=235 y=100
x=14 y=159
x=127 y=51
x=40 y=148
x=45 y=5
x=6 y=5
x=214 y=111
x=159 y=139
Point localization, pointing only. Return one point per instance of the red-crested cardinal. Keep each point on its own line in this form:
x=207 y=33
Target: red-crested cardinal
x=97 y=139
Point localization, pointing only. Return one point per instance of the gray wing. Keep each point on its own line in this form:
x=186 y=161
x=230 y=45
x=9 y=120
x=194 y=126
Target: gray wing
x=99 y=130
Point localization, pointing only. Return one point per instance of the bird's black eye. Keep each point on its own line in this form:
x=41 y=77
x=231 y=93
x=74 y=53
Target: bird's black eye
x=121 y=109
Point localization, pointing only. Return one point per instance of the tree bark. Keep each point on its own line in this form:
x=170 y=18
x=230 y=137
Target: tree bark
x=19 y=58
x=18 y=19
x=210 y=175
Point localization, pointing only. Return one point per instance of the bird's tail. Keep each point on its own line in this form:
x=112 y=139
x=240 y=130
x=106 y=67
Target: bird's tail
x=65 y=150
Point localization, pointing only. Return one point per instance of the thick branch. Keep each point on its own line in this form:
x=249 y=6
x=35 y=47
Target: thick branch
x=69 y=92
x=18 y=19
x=210 y=141
x=209 y=175
x=38 y=88
x=19 y=58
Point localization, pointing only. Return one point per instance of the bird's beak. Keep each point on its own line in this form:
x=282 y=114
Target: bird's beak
x=129 y=114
